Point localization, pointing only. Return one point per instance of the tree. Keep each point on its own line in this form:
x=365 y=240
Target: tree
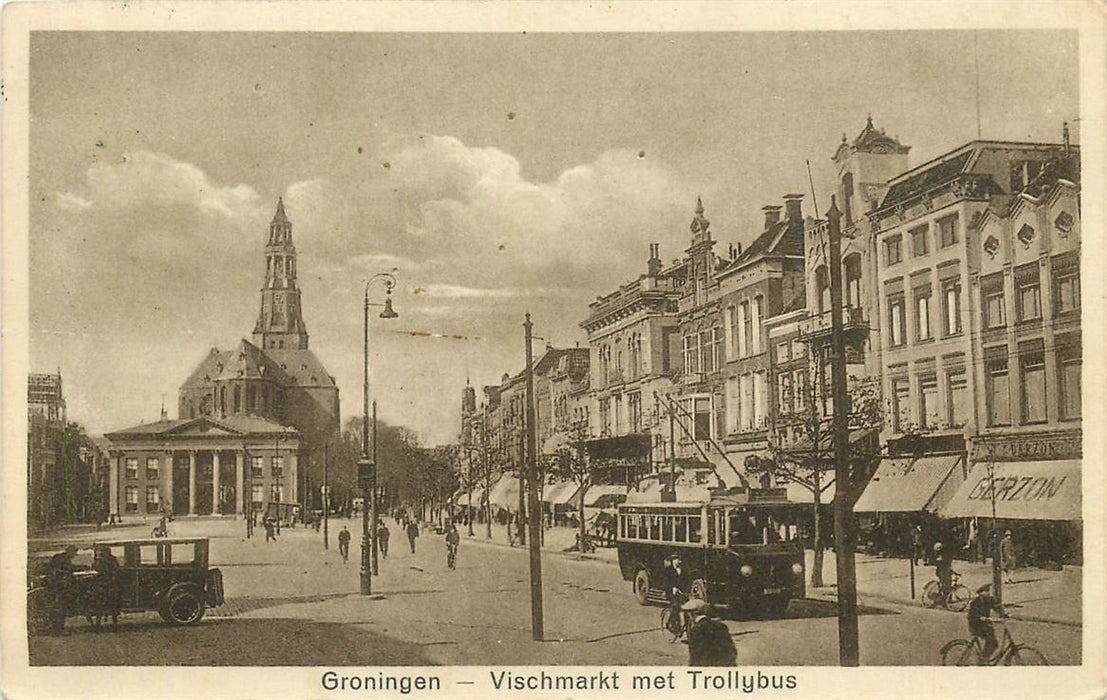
x=810 y=463
x=571 y=463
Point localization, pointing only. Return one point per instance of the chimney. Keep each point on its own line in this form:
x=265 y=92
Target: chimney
x=772 y=214
x=794 y=210
x=737 y=249
x=653 y=265
x=1065 y=135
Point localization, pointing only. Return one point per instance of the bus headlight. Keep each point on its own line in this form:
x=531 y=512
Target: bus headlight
x=797 y=568
x=746 y=570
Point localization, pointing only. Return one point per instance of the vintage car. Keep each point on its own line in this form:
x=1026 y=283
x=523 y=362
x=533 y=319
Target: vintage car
x=169 y=576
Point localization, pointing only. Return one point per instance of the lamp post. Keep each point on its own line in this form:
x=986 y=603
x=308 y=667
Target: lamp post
x=366 y=469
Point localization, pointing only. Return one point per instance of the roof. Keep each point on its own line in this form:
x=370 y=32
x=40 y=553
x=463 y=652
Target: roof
x=279 y=217
x=940 y=173
x=236 y=424
x=1063 y=167
x=302 y=367
x=779 y=239
x=870 y=140
x=245 y=360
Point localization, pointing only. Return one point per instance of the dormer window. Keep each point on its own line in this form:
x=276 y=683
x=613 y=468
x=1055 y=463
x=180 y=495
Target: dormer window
x=1026 y=234
x=991 y=246
x=1064 y=223
x=219 y=367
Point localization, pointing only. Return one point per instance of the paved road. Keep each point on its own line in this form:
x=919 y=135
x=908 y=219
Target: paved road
x=292 y=603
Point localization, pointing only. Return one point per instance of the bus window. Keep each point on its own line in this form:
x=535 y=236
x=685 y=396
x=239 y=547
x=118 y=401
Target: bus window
x=694 y=529
x=655 y=528
x=711 y=527
x=744 y=529
x=630 y=526
x=681 y=533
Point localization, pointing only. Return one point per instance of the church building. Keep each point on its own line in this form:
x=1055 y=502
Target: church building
x=250 y=417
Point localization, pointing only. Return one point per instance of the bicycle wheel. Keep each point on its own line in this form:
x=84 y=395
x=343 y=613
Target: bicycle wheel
x=666 y=629
x=959 y=598
x=1024 y=655
x=931 y=596
x=960 y=652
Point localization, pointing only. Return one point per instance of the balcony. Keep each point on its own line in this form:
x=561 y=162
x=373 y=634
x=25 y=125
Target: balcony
x=816 y=328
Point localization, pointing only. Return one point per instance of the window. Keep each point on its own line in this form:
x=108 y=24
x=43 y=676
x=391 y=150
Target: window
x=691 y=353
x=922 y=314
x=991 y=246
x=1069 y=364
x=958 y=401
x=130 y=499
x=756 y=337
x=947 y=231
x=951 y=307
x=784 y=392
x=822 y=287
x=901 y=410
x=997 y=387
x=799 y=390
x=896 y=320
x=717 y=355
x=1032 y=367
x=928 y=401
x=747 y=330
x=1064 y=223
x=1028 y=292
x=759 y=399
x=1026 y=234
x=994 y=303
x=132 y=468
x=918 y=241
x=605 y=416
x=1066 y=285
x=1022 y=172
x=702 y=418
x=747 y=401
x=853 y=281
x=893 y=249
x=634 y=406
x=151 y=498
x=276 y=493
x=152 y=468
x=257 y=493
x=276 y=464
x=707 y=357
x=783 y=352
x=257 y=464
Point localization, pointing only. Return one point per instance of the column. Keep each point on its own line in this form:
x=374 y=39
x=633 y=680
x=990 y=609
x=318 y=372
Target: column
x=240 y=494
x=292 y=480
x=168 y=481
x=113 y=483
x=215 y=483
x=192 y=482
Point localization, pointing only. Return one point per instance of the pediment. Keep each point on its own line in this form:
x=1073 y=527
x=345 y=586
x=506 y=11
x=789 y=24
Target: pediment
x=202 y=426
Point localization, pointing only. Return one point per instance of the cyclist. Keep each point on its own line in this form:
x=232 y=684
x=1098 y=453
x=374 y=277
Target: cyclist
x=943 y=569
x=452 y=540
x=980 y=621
x=677 y=585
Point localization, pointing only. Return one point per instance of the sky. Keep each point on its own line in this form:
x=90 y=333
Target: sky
x=495 y=173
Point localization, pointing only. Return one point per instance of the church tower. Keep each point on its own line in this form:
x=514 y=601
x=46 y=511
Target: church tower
x=280 y=325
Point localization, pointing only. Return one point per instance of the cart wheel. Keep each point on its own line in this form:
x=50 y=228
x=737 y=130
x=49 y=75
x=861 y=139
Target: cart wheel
x=642 y=587
x=184 y=607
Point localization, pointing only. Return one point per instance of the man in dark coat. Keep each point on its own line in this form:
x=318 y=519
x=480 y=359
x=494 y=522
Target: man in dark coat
x=677 y=585
x=980 y=619
x=412 y=530
x=382 y=539
x=709 y=641
x=107 y=566
x=62 y=587
x=344 y=544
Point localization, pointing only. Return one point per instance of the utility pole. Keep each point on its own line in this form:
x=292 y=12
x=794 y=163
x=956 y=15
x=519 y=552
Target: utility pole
x=326 y=501
x=844 y=526
x=534 y=520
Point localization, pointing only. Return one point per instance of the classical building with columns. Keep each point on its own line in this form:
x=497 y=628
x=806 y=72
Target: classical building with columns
x=251 y=419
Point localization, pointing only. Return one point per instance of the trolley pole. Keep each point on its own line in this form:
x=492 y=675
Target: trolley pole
x=844 y=526
x=533 y=521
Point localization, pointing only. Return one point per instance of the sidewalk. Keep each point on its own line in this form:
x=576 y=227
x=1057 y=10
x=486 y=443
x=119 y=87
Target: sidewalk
x=1036 y=594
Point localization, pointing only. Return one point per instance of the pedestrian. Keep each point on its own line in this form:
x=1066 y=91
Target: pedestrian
x=270 y=530
x=1007 y=556
x=917 y=549
x=709 y=641
x=344 y=544
x=61 y=586
x=412 y=530
x=453 y=538
x=382 y=539
x=106 y=565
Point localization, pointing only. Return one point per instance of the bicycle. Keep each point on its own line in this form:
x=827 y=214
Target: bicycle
x=956 y=598
x=970 y=652
x=666 y=617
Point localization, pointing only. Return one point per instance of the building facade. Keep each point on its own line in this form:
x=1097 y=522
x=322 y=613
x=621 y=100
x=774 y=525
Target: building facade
x=252 y=419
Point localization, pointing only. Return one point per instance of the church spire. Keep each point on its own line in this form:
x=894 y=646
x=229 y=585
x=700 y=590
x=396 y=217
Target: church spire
x=280 y=324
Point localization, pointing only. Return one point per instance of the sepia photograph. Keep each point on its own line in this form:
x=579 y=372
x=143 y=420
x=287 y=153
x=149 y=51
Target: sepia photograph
x=376 y=351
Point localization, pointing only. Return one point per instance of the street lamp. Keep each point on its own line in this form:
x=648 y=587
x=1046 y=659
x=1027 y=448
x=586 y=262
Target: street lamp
x=366 y=469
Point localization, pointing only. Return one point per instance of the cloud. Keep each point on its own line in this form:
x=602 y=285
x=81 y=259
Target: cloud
x=145 y=177
x=71 y=202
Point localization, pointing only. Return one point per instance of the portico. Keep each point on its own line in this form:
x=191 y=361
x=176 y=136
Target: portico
x=203 y=466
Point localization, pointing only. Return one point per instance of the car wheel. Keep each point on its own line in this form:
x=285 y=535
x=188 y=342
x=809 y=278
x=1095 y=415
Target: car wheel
x=642 y=587
x=184 y=607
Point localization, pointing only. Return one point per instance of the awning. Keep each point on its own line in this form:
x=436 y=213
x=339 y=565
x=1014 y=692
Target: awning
x=607 y=493
x=798 y=493
x=902 y=484
x=505 y=493
x=1023 y=490
x=685 y=493
x=559 y=493
x=476 y=497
